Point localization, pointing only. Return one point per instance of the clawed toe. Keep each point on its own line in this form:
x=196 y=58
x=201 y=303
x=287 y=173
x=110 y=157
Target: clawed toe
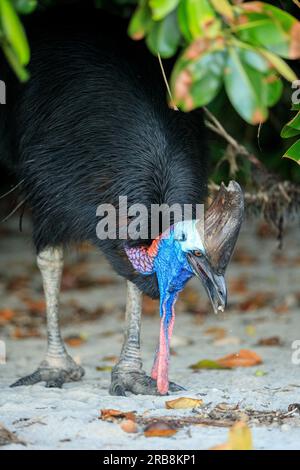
x=54 y=377
x=136 y=382
x=173 y=387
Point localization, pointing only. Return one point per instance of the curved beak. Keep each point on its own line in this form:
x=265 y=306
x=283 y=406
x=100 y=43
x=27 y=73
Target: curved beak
x=213 y=282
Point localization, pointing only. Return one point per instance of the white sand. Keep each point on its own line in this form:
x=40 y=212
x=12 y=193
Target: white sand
x=67 y=418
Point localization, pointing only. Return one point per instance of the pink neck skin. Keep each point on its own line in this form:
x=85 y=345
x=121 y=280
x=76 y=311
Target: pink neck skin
x=160 y=369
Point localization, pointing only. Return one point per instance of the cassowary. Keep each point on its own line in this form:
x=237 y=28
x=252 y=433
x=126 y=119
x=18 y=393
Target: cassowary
x=93 y=124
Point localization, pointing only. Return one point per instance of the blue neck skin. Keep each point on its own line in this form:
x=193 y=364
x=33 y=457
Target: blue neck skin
x=173 y=271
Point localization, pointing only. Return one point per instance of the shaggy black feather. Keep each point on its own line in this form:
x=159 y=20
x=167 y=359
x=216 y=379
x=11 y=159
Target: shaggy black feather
x=93 y=124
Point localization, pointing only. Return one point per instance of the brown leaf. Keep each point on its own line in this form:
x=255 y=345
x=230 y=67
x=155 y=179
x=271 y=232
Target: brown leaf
x=17 y=283
x=112 y=415
x=75 y=340
x=6 y=315
x=111 y=358
x=256 y=301
x=24 y=333
x=271 y=341
x=36 y=307
x=183 y=403
x=237 y=286
x=282 y=308
x=265 y=231
x=243 y=257
x=159 y=429
x=216 y=332
x=127 y=425
x=243 y=358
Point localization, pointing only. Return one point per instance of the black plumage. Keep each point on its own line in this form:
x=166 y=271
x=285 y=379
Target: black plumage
x=93 y=124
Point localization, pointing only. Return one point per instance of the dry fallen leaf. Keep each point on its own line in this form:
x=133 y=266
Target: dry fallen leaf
x=237 y=286
x=255 y=301
x=159 y=429
x=127 y=425
x=216 y=331
x=271 y=341
x=7 y=437
x=103 y=368
x=36 y=307
x=24 y=333
x=240 y=438
x=6 y=315
x=243 y=256
x=243 y=358
x=227 y=341
x=282 y=308
x=111 y=358
x=183 y=403
x=75 y=340
x=116 y=415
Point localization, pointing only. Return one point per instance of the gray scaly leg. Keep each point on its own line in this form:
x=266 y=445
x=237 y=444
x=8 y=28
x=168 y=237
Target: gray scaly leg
x=57 y=367
x=128 y=375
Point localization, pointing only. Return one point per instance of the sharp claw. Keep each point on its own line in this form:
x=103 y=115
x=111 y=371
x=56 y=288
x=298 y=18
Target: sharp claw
x=176 y=388
x=117 y=390
x=28 y=380
x=55 y=383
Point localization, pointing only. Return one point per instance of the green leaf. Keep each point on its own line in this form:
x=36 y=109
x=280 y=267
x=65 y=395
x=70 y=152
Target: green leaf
x=294 y=152
x=104 y=368
x=207 y=364
x=224 y=8
x=244 y=88
x=14 y=32
x=292 y=128
x=269 y=27
x=183 y=22
x=260 y=373
x=253 y=58
x=13 y=60
x=206 y=78
x=197 y=19
x=164 y=36
x=141 y=21
x=280 y=65
x=24 y=7
x=263 y=60
x=161 y=8
x=273 y=89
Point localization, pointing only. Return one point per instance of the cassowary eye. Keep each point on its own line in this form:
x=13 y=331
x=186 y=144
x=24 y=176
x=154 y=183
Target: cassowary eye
x=197 y=253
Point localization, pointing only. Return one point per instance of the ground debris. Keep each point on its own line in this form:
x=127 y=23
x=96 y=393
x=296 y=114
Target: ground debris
x=225 y=415
x=7 y=437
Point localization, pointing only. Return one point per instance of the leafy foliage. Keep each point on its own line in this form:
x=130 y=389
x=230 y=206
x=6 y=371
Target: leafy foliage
x=12 y=35
x=238 y=46
x=225 y=51
x=292 y=129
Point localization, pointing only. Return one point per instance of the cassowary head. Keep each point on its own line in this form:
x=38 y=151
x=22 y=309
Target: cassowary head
x=186 y=251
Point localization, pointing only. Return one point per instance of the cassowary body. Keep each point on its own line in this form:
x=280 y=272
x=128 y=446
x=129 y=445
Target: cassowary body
x=91 y=125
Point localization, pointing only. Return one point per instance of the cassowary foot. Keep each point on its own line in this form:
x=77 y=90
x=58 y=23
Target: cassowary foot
x=54 y=371
x=137 y=382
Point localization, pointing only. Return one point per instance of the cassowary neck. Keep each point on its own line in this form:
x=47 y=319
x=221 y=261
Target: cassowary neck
x=172 y=273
